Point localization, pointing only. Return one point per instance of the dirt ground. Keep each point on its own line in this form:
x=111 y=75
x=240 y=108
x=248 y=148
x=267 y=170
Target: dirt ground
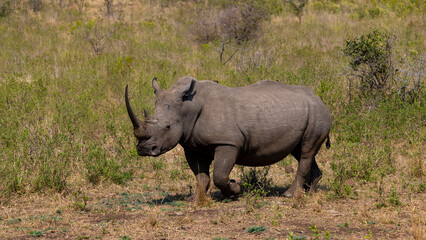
x=140 y=212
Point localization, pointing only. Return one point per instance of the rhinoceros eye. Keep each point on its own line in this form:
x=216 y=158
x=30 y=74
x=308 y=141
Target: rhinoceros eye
x=143 y=139
x=168 y=127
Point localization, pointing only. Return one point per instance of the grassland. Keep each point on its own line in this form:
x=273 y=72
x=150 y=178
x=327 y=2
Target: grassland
x=68 y=166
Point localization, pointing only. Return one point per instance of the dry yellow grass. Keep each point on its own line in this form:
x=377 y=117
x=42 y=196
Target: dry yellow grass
x=148 y=213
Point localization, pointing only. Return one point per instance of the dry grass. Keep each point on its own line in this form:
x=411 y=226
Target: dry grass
x=162 y=213
x=171 y=218
x=418 y=223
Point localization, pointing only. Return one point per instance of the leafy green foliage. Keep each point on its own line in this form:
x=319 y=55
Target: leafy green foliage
x=36 y=233
x=256 y=229
x=297 y=7
x=346 y=225
x=5 y=9
x=394 y=199
x=317 y=234
x=371 y=59
x=80 y=200
x=255 y=178
x=255 y=184
x=293 y=237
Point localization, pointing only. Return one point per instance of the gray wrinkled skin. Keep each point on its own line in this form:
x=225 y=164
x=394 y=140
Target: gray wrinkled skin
x=256 y=125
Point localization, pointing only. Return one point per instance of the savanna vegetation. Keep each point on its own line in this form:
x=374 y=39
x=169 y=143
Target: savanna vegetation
x=68 y=164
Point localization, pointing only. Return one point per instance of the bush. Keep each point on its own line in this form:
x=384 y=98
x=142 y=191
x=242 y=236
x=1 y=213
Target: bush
x=230 y=28
x=255 y=179
x=239 y=22
x=36 y=5
x=96 y=32
x=297 y=7
x=412 y=72
x=5 y=9
x=371 y=60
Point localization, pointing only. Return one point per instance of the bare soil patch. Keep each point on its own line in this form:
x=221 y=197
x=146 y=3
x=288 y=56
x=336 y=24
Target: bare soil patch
x=117 y=213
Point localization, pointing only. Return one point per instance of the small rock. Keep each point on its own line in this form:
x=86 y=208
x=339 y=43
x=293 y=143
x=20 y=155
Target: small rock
x=179 y=213
x=289 y=169
x=334 y=212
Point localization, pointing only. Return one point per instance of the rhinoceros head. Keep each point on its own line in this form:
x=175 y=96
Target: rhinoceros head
x=162 y=131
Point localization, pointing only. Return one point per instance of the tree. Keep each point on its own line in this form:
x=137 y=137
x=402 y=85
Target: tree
x=297 y=6
x=109 y=6
x=371 y=59
x=37 y=5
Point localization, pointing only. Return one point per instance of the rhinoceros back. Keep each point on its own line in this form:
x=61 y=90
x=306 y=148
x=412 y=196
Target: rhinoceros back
x=266 y=120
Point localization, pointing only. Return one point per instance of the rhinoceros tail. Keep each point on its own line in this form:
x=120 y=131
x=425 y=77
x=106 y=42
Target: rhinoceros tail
x=327 y=144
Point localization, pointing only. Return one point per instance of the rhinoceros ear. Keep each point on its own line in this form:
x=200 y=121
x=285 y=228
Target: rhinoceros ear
x=186 y=92
x=156 y=87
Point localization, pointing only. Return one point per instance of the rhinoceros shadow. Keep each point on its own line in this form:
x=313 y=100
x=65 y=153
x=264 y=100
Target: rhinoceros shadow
x=277 y=191
x=173 y=200
x=216 y=195
x=273 y=191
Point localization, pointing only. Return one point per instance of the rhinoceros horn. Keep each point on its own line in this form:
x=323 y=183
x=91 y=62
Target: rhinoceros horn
x=136 y=123
x=145 y=113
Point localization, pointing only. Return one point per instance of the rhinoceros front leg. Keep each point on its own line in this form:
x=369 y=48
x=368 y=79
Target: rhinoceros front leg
x=200 y=166
x=224 y=160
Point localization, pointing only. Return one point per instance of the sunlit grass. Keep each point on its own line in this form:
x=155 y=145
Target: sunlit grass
x=62 y=115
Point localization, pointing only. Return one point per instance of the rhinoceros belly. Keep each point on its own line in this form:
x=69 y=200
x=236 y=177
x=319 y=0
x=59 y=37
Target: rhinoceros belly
x=262 y=151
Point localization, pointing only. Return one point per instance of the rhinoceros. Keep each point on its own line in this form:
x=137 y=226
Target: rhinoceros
x=255 y=125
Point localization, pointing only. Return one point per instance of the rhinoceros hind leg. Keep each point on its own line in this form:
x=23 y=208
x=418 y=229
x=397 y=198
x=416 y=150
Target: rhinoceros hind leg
x=314 y=178
x=308 y=182
x=308 y=173
x=297 y=183
x=300 y=173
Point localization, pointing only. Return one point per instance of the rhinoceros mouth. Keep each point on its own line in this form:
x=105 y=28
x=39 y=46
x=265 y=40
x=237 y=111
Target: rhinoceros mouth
x=152 y=151
x=148 y=154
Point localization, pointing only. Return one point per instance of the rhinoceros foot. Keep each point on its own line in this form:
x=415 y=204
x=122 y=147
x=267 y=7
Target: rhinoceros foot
x=233 y=190
x=311 y=188
x=191 y=198
x=290 y=192
x=314 y=178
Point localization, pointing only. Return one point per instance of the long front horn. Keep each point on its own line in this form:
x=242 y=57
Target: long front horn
x=135 y=120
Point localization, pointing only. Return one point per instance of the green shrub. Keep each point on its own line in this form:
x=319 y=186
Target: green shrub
x=256 y=229
x=297 y=7
x=237 y=22
x=36 y=233
x=5 y=9
x=255 y=178
x=36 y=5
x=394 y=199
x=371 y=60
